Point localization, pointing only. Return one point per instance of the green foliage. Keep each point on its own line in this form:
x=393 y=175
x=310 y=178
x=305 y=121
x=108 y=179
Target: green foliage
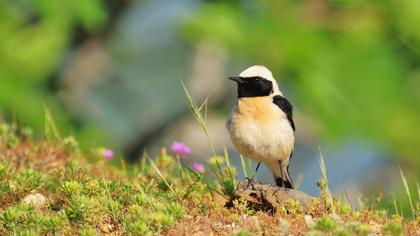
x=28 y=180
x=241 y=233
x=15 y=216
x=393 y=228
x=71 y=188
x=359 y=228
x=293 y=207
x=345 y=208
x=399 y=202
x=353 y=54
x=80 y=208
x=34 y=37
x=87 y=232
x=326 y=224
x=87 y=203
x=407 y=191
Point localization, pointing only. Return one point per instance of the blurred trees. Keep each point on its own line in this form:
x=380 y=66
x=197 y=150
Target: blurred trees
x=35 y=37
x=352 y=66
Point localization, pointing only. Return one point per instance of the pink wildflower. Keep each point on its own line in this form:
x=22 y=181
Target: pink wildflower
x=180 y=149
x=198 y=167
x=108 y=154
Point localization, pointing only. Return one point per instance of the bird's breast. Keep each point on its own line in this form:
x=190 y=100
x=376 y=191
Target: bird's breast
x=260 y=130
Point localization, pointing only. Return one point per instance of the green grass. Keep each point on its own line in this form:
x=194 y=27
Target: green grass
x=88 y=196
x=78 y=200
x=85 y=194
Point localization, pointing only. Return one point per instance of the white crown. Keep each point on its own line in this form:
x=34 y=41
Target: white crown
x=257 y=70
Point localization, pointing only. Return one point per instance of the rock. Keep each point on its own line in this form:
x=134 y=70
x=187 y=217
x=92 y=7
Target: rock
x=309 y=221
x=37 y=200
x=267 y=197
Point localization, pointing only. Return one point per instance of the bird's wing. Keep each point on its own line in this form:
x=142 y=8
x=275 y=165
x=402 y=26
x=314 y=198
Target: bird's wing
x=286 y=107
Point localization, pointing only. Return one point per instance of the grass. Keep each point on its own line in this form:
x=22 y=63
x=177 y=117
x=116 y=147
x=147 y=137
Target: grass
x=407 y=191
x=323 y=183
x=225 y=176
x=86 y=197
x=85 y=194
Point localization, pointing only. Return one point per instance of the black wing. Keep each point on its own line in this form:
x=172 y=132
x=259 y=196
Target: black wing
x=286 y=107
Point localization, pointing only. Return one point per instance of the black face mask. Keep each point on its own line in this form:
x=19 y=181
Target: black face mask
x=253 y=86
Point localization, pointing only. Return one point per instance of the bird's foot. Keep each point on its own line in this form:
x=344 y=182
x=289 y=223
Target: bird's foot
x=251 y=181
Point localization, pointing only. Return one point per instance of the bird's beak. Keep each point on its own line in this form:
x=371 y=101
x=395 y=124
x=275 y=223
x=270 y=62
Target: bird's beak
x=237 y=79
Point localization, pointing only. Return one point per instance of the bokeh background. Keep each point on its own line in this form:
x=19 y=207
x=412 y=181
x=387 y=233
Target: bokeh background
x=109 y=71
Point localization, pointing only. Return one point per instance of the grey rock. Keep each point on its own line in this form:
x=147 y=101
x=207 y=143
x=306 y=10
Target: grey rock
x=37 y=200
x=267 y=197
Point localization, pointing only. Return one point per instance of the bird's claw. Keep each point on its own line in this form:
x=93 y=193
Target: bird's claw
x=251 y=182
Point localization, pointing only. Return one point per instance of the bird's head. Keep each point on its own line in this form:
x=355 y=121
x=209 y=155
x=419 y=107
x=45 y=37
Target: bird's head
x=256 y=81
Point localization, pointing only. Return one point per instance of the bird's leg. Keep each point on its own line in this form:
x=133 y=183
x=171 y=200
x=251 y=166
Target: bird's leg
x=284 y=180
x=252 y=179
x=281 y=174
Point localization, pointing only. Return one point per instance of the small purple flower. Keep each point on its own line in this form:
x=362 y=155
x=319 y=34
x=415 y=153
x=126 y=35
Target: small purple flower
x=198 y=167
x=108 y=154
x=180 y=149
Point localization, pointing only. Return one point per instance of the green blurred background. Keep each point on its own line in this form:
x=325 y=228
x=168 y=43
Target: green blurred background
x=110 y=73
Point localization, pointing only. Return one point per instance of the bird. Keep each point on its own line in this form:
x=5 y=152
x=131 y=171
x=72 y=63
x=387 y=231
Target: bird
x=261 y=124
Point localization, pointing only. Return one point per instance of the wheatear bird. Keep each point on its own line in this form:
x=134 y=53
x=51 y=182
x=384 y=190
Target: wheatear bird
x=261 y=125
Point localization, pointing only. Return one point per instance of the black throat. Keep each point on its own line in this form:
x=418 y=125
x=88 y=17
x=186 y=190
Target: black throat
x=254 y=87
